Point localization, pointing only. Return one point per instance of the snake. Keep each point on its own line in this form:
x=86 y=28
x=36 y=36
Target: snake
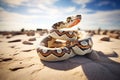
x=63 y=43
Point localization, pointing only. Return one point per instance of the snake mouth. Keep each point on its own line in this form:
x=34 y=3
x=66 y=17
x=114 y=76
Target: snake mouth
x=73 y=20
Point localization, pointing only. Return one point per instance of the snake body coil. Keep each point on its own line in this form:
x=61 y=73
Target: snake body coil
x=62 y=44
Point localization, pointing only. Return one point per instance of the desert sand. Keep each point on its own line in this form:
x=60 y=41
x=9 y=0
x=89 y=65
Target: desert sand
x=19 y=61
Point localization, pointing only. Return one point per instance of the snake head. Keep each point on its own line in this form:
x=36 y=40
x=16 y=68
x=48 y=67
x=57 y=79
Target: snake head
x=73 y=18
x=72 y=21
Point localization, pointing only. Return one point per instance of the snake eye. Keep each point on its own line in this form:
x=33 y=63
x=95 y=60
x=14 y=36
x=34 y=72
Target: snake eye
x=78 y=16
x=68 y=19
x=54 y=25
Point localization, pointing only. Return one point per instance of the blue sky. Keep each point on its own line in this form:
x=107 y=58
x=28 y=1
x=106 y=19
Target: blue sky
x=32 y=14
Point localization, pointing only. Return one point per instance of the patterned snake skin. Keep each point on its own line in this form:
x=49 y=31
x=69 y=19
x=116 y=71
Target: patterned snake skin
x=61 y=44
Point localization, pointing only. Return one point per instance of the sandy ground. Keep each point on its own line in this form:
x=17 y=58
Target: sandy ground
x=20 y=61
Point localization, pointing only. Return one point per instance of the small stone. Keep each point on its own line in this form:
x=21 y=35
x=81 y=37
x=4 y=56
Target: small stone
x=27 y=43
x=17 y=40
x=12 y=46
x=19 y=65
x=114 y=35
x=32 y=39
x=8 y=36
x=105 y=32
x=16 y=68
x=30 y=33
x=7 y=59
x=105 y=39
x=27 y=50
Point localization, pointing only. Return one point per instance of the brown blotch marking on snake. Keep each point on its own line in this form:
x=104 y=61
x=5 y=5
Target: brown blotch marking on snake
x=45 y=41
x=54 y=52
x=78 y=43
x=42 y=53
x=70 y=35
x=64 y=33
x=56 y=25
x=83 y=47
x=64 y=51
x=58 y=54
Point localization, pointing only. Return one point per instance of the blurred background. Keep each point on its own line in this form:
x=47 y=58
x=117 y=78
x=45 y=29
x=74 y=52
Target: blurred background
x=34 y=14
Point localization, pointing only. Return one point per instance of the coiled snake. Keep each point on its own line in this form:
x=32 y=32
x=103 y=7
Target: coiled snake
x=61 y=44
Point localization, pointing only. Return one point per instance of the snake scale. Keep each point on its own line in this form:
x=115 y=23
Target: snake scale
x=61 y=44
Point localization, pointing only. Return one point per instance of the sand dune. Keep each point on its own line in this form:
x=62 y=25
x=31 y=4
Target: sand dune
x=19 y=61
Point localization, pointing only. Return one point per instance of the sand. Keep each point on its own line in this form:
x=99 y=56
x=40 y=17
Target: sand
x=20 y=61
